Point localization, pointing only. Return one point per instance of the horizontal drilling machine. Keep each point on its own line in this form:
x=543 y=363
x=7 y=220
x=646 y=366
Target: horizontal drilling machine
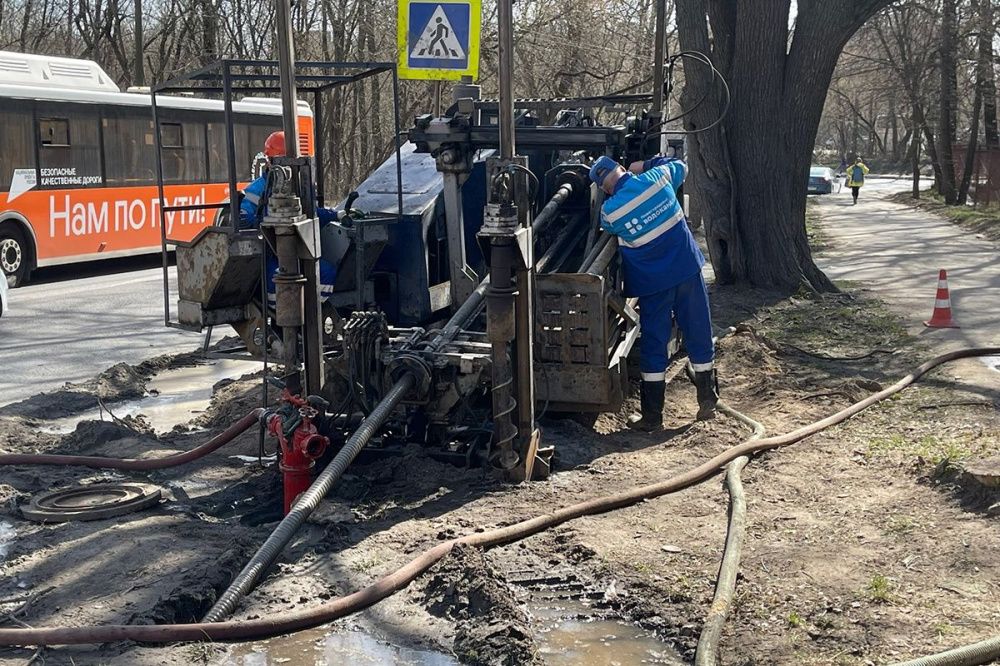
x=492 y=288
x=475 y=286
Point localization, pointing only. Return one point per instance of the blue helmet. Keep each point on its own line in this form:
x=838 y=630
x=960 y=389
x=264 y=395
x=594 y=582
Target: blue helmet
x=602 y=167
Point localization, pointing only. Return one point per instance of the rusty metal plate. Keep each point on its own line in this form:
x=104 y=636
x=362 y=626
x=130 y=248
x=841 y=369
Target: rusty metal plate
x=95 y=502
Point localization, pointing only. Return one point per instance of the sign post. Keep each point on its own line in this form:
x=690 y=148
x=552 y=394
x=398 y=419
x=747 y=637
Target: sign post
x=438 y=40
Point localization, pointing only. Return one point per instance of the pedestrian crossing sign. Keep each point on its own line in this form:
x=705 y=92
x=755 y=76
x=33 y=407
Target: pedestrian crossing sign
x=438 y=39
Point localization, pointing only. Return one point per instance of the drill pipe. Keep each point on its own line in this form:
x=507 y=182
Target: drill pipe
x=308 y=502
x=605 y=254
x=602 y=243
x=545 y=214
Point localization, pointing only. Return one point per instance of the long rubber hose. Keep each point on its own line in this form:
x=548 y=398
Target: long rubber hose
x=983 y=652
x=400 y=578
x=707 y=653
x=308 y=501
x=135 y=464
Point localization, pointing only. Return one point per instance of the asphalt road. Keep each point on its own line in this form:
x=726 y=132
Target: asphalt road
x=74 y=321
x=897 y=251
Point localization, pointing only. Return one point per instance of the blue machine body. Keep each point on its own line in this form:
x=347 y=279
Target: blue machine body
x=411 y=276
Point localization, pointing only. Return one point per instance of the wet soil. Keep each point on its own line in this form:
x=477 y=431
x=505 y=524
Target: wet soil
x=866 y=543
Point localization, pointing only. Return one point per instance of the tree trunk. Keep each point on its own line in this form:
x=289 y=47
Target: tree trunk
x=915 y=152
x=970 y=151
x=985 y=74
x=949 y=100
x=138 y=72
x=209 y=32
x=750 y=173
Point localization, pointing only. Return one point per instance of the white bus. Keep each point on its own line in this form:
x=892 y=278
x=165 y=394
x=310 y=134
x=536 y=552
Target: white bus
x=78 y=162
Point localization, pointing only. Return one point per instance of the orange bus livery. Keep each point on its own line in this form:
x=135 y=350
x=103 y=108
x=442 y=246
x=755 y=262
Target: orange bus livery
x=78 y=165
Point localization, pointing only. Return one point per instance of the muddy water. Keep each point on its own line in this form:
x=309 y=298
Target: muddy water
x=568 y=631
x=173 y=397
x=574 y=631
x=316 y=648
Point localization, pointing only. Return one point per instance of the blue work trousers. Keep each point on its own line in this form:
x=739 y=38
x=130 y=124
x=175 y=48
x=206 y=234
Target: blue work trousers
x=688 y=302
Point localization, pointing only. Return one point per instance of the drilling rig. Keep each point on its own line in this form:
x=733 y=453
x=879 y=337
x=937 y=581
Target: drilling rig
x=475 y=290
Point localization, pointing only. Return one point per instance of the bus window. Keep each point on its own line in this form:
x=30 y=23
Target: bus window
x=259 y=134
x=69 y=153
x=218 y=170
x=172 y=135
x=183 y=152
x=129 y=152
x=53 y=131
x=18 y=151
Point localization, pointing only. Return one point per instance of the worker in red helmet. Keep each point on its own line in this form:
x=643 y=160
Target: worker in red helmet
x=251 y=213
x=274 y=145
x=250 y=210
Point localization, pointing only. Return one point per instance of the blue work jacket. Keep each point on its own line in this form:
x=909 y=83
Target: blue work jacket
x=658 y=250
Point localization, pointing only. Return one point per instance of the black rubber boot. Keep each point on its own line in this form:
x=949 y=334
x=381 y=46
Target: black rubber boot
x=707 y=384
x=651 y=399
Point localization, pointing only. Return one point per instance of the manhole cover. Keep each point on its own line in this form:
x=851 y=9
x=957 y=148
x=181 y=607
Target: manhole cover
x=91 y=502
x=985 y=470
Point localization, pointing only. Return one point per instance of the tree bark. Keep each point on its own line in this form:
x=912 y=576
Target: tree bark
x=970 y=151
x=984 y=73
x=949 y=100
x=915 y=153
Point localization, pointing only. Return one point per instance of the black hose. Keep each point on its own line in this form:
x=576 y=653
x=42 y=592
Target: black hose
x=308 y=502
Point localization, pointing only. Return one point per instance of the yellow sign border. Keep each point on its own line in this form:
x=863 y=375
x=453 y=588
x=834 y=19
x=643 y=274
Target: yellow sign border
x=432 y=74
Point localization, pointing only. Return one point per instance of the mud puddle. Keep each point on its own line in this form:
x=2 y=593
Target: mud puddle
x=173 y=397
x=318 y=648
x=577 y=626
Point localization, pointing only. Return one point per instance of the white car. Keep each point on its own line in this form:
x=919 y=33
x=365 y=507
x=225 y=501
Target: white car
x=3 y=293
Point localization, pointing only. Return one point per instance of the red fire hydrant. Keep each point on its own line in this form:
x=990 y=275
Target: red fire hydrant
x=301 y=444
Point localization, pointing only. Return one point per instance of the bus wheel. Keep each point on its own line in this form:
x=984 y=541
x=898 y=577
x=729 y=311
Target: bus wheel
x=15 y=254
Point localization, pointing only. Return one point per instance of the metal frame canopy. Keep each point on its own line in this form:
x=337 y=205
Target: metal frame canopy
x=228 y=76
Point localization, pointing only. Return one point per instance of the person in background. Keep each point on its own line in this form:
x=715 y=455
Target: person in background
x=856 y=177
x=251 y=214
x=662 y=267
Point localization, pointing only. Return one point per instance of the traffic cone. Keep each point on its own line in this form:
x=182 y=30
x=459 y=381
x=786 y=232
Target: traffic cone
x=942 y=305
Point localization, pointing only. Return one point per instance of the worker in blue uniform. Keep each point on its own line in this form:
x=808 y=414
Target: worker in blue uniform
x=251 y=213
x=662 y=267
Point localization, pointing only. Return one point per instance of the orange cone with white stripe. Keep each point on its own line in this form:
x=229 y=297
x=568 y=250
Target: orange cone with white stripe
x=942 y=305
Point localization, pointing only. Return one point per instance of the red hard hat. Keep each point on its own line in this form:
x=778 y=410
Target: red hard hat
x=274 y=145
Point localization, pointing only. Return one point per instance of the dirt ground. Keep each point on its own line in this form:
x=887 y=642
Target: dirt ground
x=866 y=544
